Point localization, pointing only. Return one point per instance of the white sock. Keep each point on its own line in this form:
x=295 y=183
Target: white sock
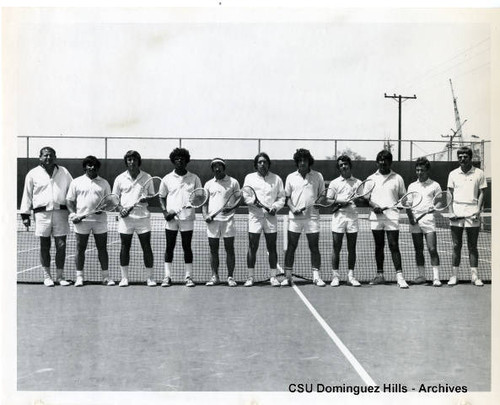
x=421 y=271
x=315 y=274
x=79 y=273
x=250 y=272
x=149 y=273
x=435 y=271
x=105 y=274
x=336 y=273
x=399 y=275
x=350 y=274
x=168 y=269
x=124 y=270
x=473 y=272
x=46 y=272
x=189 y=269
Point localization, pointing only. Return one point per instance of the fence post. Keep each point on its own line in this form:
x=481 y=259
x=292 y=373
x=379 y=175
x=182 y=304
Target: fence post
x=411 y=151
x=258 y=145
x=27 y=147
x=335 y=149
x=106 y=147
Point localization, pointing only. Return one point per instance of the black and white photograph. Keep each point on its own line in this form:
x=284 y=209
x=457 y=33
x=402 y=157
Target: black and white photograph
x=249 y=205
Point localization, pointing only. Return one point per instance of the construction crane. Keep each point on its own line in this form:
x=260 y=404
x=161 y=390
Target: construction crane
x=457 y=133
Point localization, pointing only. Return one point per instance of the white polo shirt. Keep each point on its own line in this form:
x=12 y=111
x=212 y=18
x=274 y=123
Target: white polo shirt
x=389 y=188
x=88 y=193
x=219 y=191
x=466 y=187
x=42 y=190
x=428 y=190
x=129 y=190
x=344 y=189
x=176 y=189
x=269 y=190
x=304 y=190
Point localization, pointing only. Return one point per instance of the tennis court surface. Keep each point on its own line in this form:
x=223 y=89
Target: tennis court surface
x=262 y=338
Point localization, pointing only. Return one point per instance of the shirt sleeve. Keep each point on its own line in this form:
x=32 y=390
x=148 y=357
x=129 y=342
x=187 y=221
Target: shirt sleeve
x=197 y=182
x=27 y=200
x=280 y=198
x=163 y=188
x=71 y=196
x=116 y=187
x=321 y=183
x=288 y=187
x=482 y=182
x=451 y=183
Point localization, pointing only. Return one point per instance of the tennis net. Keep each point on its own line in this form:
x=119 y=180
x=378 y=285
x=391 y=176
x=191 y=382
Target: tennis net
x=29 y=269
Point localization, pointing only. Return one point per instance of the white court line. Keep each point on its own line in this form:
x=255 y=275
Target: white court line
x=67 y=257
x=27 y=250
x=345 y=351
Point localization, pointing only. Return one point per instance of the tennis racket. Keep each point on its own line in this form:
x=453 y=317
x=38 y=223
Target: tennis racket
x=408 y=201
x=197 y=198
x=325 y=199
x=230 y=204
x=362 y=190
x=440 y=202
x=250 y=196
x=108 y=203
x=150 y=189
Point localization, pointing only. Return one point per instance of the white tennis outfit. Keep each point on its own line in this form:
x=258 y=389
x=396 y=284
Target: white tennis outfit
x=346 y=218
x=129 y=191
x=219 y=191
x=271 y=193
x=428 y=190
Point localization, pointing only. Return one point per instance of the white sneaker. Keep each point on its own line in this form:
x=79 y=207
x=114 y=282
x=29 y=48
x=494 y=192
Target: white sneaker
x=452 y=280
x=150 y=283
x=231 y=282
x=123 y=282
x=274 y=282
x=436 y=283
x=477 y=281
x=213 y=281
x=249 y=282
x=318 y=282
x=63 y=282
x=287 y=282
x=79 y=282
x=353 y=282
x=108 y=282
x=402 y=283
x=189 y=282
x=48 y=282
x=167 y=282
x=335 y=282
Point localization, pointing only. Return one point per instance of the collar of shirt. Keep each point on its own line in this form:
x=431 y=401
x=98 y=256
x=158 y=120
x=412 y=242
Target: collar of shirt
x=139 y=176
x=180 y=176
x=471 y=171
x=44 y=170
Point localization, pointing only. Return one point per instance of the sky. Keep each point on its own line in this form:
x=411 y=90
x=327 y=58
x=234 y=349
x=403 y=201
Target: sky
x=161 y=73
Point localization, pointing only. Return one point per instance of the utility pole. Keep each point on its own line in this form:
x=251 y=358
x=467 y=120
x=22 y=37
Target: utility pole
x=400 y=100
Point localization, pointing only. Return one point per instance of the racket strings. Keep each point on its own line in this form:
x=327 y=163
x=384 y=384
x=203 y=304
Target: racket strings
x=109 y=203
x=442 y=200
x=198 y=197
x=364 y=188
x=411 y=200
x=152 y=187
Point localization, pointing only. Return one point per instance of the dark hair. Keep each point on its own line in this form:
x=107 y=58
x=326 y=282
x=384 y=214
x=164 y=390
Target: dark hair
x=264 y=155
x=180 y=152
x=464 y=149
x=303 y=154
x=385 y=155
x=91 y=160
x=344 y=158
x=423 y=161
x=132 y=153
x=49 y=148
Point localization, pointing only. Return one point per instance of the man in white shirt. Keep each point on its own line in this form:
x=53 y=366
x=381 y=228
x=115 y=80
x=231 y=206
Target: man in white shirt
x=134 y=217
x=45 y=189
x=175 y=189
x=389 y=188
x=467 y=184
x=302 y=187
x=222 y=225
x=271 y=194
x=426 y=226
x=84 y=194
x=344 y=220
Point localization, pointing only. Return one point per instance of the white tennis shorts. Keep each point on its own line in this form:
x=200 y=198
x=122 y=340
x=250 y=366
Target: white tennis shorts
x=53 y=223
x=221 y=229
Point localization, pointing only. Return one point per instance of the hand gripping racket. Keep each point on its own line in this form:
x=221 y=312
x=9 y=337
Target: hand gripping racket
x=440 y=202
x=362 y=190
x=231 y=203
x=108 y=203
x=473 y=216
x=197 y=198
x=325 y=199
x=150 y=189
x=250 y=197
x=408 y=201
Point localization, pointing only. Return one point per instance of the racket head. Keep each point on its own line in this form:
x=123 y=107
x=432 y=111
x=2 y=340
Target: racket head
x=198 y=198
x=442 y=200
x=248 y=194
x=365 y=188
x=151 y=188
x=326 y=198
x=108 y=203
x=410 y=200
x=231 y=202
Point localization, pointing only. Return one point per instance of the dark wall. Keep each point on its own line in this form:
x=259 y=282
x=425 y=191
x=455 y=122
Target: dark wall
x=240 y=168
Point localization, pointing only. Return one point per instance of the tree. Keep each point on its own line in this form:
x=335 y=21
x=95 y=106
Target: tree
x=349 y=152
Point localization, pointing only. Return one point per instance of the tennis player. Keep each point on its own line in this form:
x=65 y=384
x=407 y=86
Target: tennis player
x=303 y=187
x=133 y=217
x=175 y=189
x=467 y=184
x=426 y=226
x=222 y=225
x=345 y=220
x=45 y=189
x=389 y=188
x=84 y=194
x=270 y=192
